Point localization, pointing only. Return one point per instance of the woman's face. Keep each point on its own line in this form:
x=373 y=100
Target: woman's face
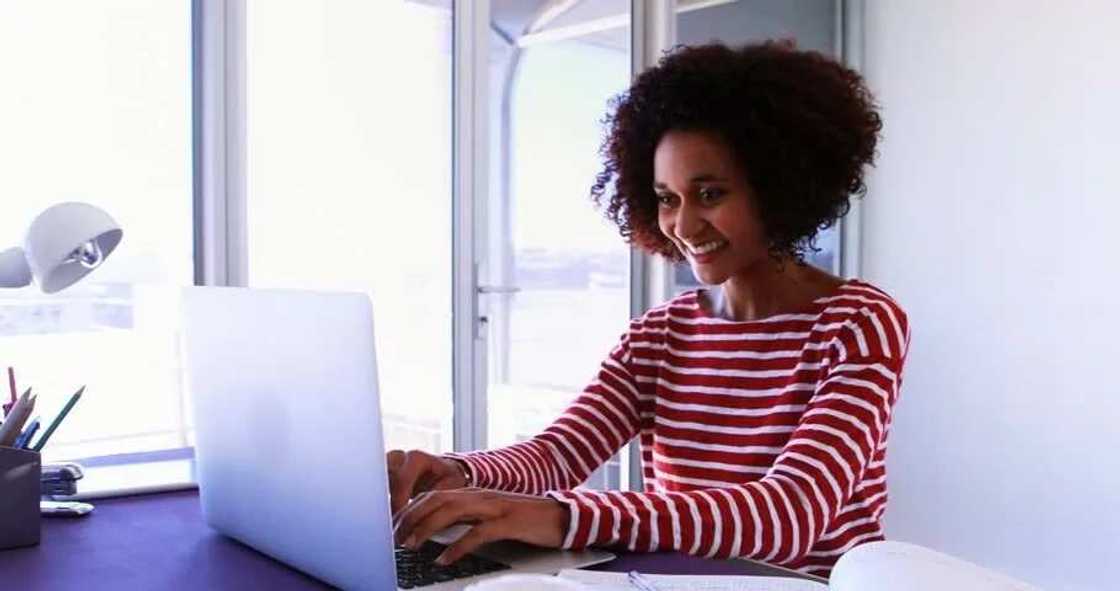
x=706 y=206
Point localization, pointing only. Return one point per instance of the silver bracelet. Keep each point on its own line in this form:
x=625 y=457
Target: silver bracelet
x=468 y=482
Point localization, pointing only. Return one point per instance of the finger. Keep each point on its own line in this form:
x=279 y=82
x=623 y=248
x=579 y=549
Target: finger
x=483 y=533
x=426 y=482
x=393 y=460
x=428 y=501
x=436 y=512
x=427 y=477
x=402 y=481
x=405 y=521
x=458 y=510
x=447 y=483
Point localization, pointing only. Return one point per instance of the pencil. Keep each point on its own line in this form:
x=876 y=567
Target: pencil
x=21 y=441
x=19 y=414
x=57 y=420
x=11 y=386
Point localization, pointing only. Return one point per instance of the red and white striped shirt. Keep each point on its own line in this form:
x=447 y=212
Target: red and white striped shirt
x=762 y=439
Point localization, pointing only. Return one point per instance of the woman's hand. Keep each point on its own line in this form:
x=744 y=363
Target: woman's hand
x=495 y=516
x=414 y=472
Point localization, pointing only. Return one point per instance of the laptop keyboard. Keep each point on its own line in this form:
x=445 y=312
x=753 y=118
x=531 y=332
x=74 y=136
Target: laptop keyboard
x=419 y=569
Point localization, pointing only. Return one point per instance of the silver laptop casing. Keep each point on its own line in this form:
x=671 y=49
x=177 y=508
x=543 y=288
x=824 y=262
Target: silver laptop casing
x=289 y=448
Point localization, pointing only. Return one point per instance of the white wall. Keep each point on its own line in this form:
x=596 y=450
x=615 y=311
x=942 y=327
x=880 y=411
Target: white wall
x=993 y=217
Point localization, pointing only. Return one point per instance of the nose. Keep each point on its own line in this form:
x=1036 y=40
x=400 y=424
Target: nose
x=689 y=222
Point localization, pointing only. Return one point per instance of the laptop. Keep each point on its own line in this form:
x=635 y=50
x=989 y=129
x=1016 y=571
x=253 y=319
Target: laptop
x=289 y=450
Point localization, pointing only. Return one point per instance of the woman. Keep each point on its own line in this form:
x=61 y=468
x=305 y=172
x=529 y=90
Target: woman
x=762 y=402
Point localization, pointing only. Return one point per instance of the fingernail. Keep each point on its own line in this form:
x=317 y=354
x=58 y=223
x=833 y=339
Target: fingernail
x=442 y=560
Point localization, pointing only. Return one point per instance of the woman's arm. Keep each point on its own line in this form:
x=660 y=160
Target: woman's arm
x=779 y=517
x=595 y=426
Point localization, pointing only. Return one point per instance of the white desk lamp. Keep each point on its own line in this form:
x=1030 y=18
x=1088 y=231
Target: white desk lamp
x=64 y=244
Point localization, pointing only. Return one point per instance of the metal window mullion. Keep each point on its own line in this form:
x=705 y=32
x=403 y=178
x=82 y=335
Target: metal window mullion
x=850 y=49
x=217 y=150
x=218 y=141
x=653 y=30
x=471 y=28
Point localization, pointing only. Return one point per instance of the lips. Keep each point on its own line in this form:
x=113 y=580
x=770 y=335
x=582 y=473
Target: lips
x=705 y=251
x=706 y=247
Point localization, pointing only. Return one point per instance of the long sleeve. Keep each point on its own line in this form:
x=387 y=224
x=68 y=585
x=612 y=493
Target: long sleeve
x=597 y=424
x=780 y=516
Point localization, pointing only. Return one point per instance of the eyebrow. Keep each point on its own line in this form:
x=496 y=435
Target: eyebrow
x=700 y=178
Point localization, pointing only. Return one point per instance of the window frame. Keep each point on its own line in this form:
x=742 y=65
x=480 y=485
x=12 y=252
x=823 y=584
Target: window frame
x=218 y=136
x=848 y=47
x=470 y=182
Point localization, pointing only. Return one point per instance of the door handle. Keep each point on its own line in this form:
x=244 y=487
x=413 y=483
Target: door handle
x=498 y=289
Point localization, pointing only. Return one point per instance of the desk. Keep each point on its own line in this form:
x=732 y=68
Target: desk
x=160 y=541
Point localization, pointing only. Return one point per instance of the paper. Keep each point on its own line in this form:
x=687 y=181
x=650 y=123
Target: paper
x=606 y=581
x=885 y=566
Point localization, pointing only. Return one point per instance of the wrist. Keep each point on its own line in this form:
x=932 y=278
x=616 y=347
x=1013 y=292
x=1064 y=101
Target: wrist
x=561 y=517
x=465 y=471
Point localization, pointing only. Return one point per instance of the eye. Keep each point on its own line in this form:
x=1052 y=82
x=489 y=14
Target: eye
x=665 y=199
x=710 y=194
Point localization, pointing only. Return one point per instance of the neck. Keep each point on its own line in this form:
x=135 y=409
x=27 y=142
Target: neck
x=771 y=288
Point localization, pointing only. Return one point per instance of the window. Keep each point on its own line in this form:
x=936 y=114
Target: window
x=348 y=176
x=348 y=143
x=558 y=294
x=96 y=108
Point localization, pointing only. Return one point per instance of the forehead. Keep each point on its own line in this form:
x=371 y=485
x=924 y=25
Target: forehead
x=681 y=155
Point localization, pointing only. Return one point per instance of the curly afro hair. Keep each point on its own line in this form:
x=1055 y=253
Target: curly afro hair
x=801 y=125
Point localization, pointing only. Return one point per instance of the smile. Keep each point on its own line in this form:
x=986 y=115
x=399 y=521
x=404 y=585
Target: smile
x=705 y=247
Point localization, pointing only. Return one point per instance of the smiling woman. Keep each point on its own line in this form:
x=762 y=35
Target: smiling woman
x=799 y=126
x=763 y=402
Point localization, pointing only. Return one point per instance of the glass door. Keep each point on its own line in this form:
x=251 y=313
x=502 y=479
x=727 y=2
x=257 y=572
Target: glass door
x=555 y=280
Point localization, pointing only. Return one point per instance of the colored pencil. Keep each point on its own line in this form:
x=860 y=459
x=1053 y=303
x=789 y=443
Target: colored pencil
x=57 y=420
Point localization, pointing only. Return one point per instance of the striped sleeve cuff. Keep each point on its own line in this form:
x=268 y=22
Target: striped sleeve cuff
x=578 y=520
x=481 y=475
x=587 y=518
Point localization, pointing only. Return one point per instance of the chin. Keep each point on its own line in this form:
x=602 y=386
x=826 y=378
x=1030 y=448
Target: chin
x=707 y=275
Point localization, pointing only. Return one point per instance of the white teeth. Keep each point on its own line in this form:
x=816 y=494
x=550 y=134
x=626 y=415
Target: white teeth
x=706 y=247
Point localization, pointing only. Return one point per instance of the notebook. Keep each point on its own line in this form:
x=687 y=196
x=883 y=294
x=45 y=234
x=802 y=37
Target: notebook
x=878 y=566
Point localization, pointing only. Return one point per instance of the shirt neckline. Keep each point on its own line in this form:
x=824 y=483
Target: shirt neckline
x=809 y=308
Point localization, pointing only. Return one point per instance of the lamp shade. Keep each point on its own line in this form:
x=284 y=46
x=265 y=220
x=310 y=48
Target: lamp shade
x=67 y=241
x=14 y=271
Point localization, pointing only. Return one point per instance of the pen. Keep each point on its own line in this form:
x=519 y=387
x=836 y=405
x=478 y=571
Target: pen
x=57 y=420
x=28 y=433
x=639 y=582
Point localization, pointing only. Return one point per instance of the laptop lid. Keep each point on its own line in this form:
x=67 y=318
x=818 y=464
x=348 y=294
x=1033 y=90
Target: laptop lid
x=289 y=448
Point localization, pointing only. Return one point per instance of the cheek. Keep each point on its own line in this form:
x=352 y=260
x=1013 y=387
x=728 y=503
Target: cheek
x=664 y=223
x=742 y=222
x=758 y=232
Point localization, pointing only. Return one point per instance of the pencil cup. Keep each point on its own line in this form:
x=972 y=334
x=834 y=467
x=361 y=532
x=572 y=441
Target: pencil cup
x=19 y=497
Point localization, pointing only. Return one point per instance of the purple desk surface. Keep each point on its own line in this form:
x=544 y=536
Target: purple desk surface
x=161 y=542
